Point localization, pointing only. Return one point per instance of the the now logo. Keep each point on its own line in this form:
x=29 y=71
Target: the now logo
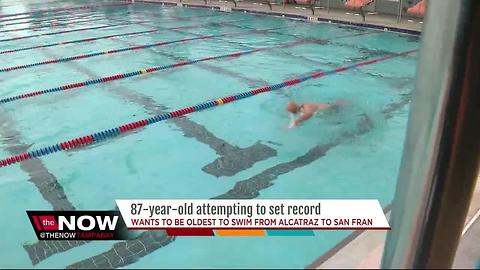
x=80 y=225
x=87 y=223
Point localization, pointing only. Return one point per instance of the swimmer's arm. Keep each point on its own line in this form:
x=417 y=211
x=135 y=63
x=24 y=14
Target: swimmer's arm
x=303 y=117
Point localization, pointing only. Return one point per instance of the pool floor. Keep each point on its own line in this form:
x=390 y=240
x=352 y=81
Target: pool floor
x=112 y=100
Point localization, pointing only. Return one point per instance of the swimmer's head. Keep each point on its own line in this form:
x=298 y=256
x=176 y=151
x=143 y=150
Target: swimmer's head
x=293 y=107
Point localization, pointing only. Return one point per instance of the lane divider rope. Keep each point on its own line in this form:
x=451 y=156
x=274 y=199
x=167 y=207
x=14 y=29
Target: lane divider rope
x=57 y=15
x=116 y=131
x=70 y=31
x=132 y=48
x=67 y=8
x=30 y=19
x=155 y=69
x=37 y=27
x=84 y=15
x=117 y=35
x=97 y=18
x=67 y=16
x=89 y=13
x=122 y=22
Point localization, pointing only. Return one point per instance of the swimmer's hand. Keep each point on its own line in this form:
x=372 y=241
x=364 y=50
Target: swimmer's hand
x=293 y=123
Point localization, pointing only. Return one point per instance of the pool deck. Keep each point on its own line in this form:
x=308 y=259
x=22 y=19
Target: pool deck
x=378 y=21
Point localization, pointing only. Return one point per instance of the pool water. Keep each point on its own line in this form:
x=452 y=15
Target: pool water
x=206 y=154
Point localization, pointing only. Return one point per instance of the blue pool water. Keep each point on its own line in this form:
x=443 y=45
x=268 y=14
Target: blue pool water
x=330 y=156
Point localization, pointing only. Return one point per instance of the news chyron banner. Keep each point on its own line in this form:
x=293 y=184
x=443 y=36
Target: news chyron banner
x=210 y=218
x=251 y=217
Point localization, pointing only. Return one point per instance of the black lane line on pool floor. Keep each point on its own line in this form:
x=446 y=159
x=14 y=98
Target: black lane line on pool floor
x=130 y=251
x=38 y=174
x=225 y=164
x=45 y=182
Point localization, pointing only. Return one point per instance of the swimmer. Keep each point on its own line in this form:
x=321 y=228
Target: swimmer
x=307 y=110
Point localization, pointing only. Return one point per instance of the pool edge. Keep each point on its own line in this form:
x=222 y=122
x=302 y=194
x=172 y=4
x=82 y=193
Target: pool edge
x=312 y=19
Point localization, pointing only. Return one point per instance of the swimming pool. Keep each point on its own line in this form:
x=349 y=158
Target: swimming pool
x=159 y=59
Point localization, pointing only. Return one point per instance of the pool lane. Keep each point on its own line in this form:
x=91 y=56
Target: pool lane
x=114 y=132
x=135 y=33
x=157 y=68
x=149 y=241
x=134 y=48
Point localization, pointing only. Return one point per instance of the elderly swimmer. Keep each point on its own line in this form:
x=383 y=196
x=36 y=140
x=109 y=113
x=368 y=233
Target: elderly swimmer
x=305 y=111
